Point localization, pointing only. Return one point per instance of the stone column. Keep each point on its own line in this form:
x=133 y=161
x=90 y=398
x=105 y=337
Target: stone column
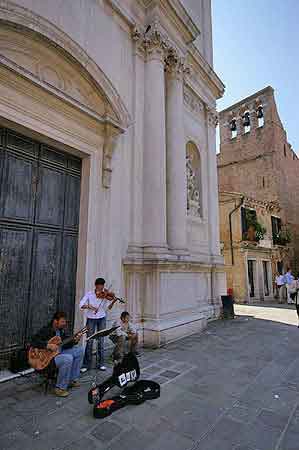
x=212 y=121
x=240 y=127
x=154 y=163
x=176 y=154
x=253 y=118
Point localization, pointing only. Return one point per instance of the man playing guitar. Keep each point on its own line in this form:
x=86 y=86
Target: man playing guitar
x=69 y=360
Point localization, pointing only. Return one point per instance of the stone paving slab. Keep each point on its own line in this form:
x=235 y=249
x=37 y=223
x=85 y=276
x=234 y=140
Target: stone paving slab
x=233 y=387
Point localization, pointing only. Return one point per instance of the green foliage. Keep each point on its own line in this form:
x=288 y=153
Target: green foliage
x=284 y=237
x=252 y=222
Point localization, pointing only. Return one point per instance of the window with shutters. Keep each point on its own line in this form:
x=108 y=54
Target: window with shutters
x=276 y=229
x=248 y=216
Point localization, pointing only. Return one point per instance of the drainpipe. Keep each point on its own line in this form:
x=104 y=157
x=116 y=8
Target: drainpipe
x=231 y=231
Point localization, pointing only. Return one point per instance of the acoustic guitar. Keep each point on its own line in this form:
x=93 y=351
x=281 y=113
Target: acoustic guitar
x=40 y=358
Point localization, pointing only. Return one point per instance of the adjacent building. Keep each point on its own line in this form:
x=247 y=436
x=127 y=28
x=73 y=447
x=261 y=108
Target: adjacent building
x=251 y=253
x=107 y=113
x=257 y=161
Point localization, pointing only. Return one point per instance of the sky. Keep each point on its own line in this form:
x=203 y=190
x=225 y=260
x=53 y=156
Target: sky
x=256 y=44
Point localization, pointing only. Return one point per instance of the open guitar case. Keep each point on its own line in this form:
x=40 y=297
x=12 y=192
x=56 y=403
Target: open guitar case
x=128 y=371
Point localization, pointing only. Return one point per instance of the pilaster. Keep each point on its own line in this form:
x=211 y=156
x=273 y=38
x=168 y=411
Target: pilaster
x=176 y=153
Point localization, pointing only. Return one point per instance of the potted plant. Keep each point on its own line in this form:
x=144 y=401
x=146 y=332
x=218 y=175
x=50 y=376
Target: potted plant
x=283 y=237
x=255 y=231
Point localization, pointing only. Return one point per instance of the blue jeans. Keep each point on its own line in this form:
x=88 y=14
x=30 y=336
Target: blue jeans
x=68 y=363
x=94 y=325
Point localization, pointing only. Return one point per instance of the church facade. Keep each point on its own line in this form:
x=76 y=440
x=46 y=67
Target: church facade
x=108 y=163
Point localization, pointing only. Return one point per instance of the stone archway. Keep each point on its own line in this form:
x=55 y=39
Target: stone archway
x=31 y=23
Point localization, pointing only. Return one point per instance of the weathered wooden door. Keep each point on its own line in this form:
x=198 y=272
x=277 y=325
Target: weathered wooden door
x=39 y=221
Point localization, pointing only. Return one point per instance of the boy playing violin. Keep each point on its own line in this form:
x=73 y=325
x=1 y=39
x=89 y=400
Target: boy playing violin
x=95 y=304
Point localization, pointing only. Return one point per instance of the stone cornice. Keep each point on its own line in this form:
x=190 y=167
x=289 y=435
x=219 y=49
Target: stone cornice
x=180 y=19
x=180 y=30
x=249 y=201
x=200 y=67
x=176 y=14
x=171 y=12
x=251 y=98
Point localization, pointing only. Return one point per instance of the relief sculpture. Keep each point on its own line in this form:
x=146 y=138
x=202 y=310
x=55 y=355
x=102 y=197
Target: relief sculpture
x=193 y=192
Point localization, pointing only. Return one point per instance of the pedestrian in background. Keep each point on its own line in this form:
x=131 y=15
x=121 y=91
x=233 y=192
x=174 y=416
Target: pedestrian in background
x=296 y=299
x=288 y=279
x=280 y=287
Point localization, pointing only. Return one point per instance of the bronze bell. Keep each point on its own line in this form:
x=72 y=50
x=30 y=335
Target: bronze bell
x=260 y=112
x=233 y=125
x=246 y=120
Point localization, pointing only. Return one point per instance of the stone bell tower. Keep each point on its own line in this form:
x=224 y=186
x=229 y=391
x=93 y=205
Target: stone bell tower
x=256 y=158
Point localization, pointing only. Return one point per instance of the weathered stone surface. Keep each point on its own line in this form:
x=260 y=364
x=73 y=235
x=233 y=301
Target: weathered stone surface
x=226 y=397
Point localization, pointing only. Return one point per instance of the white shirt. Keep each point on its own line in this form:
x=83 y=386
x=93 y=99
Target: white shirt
x=101 y=304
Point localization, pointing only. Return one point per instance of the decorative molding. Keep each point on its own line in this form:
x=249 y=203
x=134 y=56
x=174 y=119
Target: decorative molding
x=28 y=22
x=192 y=101
x=49 y=67
x=110 y=143
x=203 y=73
x=174 y=65
x=152 y=42
x=28 y=105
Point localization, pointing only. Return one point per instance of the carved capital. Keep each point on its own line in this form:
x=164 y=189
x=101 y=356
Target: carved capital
x=136 y=34
x=152 y=42
x=175 y=65
x=212 y=116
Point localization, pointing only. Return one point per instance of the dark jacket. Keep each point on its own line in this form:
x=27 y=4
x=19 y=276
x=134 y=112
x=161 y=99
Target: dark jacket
x=42 y=337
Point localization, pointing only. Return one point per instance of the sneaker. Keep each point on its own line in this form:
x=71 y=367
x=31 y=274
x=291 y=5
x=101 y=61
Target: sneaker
x=74 y=384
x=103 y=368
x=137 y=354
x=61 y=392
x=83 y=369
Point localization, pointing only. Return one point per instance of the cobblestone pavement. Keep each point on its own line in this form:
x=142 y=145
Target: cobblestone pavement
x=233 y=387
